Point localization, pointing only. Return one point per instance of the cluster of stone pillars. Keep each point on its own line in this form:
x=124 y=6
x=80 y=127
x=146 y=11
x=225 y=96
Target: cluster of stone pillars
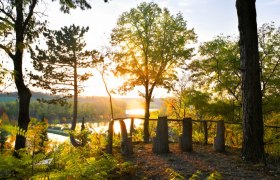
x=160 y=141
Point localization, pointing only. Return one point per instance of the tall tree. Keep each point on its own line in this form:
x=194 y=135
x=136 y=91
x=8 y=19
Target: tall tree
x=218 y=67
x=21 y=27
x=217 y=71
x=150 y=43
x=60 y=63
x=253 y=145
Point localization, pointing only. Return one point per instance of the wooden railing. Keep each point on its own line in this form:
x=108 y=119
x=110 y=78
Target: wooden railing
x=160 y=142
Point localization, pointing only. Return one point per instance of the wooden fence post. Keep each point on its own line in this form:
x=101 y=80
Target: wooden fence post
x=110 y=137
x=131 y=126
x=160 y=142
x=185 y=140
x=219 y=140
x=126 y=143
x=205 y=132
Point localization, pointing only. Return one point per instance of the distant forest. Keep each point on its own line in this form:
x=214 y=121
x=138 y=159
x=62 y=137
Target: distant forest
x=93 y=108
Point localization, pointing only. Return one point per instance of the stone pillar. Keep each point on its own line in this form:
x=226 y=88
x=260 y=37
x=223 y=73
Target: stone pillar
x=160 y=142
x=219 y=140
x=131 y=126
x=185 y=140
x=110 y=137
x=126 y=142
x=205 y=132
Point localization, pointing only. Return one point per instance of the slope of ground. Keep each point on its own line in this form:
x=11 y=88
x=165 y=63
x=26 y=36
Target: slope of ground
x=203 y=158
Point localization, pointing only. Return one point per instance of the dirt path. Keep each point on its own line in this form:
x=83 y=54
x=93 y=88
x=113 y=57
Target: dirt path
x=229 y=164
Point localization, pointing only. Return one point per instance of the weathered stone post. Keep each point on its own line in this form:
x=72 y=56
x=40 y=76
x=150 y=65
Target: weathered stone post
x=110 y=137
x=219 y=140
x=205 y=132
x=126 y=143
x=131 y=126
x=160 y=142
x=185 y=140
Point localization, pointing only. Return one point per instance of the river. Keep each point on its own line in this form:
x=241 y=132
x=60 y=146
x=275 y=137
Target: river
x=102 y=127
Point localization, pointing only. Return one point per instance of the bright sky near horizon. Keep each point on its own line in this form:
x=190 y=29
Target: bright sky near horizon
x=209 y=18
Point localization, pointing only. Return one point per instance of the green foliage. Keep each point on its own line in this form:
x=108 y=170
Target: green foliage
x=60 y=62
x=217 y=76
x=173 y=175
x=67 y=5
x=174 y=131
x=19 y=28
x=87 y=162
x=198 y=175
x=215 y=91
x=15 y=168
x=63 y=161
x=3 y=71
x=215 y=176
x=233 y=135
x=37 y=136
x=150 y=41
x=269 y=47
x=272 y=142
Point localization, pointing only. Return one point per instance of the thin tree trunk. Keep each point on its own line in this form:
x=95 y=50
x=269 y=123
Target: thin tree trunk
x=109 y=94
x=75 y=108
x=253 y=145
x=146 y=121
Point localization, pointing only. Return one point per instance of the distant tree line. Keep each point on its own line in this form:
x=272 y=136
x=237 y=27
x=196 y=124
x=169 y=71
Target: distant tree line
x=96 y=110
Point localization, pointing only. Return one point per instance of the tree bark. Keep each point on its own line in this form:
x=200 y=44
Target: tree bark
x=253 y=145
x=146 y=121
x=23 y=91
x=109 y=94
x=75 y=108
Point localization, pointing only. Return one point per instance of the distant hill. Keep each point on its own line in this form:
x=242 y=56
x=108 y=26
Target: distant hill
x=13 y=96
x=131 y=103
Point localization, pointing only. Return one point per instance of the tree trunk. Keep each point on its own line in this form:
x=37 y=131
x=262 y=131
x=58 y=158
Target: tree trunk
x=109 y=94
x=23 y=92
x=146 y=121
x=75 y=109
x=253 y=145
x=23 y=117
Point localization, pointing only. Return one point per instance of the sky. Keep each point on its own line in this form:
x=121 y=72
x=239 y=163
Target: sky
x=209 y=18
